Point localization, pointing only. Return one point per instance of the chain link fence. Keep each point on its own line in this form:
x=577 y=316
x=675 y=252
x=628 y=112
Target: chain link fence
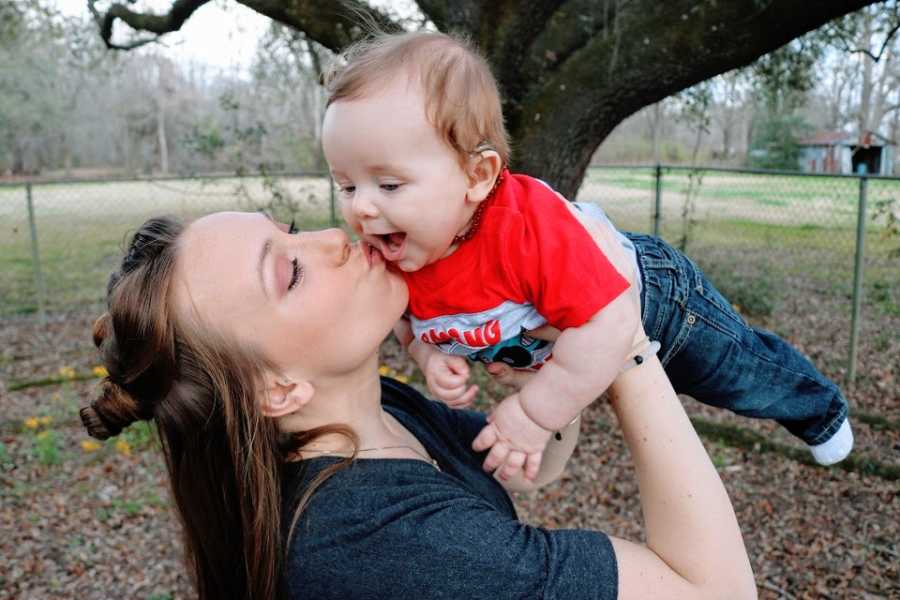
x=61 y=240
x=817 y=253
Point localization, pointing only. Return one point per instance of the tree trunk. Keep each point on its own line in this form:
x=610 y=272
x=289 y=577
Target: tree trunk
x=161 y=137
x=865 y=92
x=18 y=158
x=657 y=125
x=882 y=90
x=67 y=155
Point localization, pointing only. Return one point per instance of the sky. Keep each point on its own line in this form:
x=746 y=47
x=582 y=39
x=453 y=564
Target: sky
x=221 y=34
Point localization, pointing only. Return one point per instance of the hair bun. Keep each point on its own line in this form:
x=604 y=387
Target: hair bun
x=109 y=414
x=94 y=424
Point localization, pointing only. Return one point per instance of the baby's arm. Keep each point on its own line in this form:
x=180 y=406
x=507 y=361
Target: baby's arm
x=521 y=425
x=446 y=376
x=585 y=361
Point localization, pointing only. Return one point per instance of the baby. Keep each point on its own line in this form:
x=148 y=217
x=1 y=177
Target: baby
x=498 y=265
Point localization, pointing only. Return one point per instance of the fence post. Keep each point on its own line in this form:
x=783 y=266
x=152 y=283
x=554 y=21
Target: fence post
x=331 y=196
x=858 y=276
x=35 y=255
x=658 y=200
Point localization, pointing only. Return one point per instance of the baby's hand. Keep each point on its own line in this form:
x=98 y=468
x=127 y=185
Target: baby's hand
x=506 y=375
x=447 y=377
x=516 y=442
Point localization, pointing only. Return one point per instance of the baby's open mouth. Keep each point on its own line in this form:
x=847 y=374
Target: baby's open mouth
x=392 y=245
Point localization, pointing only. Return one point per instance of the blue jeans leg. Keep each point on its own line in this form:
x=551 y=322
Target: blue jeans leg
x=711 y=354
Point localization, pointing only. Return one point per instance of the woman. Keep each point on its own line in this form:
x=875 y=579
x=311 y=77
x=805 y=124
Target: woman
x=254 y=350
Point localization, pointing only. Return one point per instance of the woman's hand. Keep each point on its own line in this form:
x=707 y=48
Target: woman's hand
x=517 y=443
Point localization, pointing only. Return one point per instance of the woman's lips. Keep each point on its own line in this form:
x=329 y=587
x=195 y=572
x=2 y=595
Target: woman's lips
x=373 y=254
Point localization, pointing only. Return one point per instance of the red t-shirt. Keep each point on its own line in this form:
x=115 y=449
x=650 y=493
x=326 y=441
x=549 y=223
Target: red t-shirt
x=530 y=262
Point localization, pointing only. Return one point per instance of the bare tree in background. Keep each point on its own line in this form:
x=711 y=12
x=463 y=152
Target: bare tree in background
x=863 y=69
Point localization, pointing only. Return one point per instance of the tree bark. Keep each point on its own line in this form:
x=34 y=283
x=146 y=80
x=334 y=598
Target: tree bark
x=569 y=70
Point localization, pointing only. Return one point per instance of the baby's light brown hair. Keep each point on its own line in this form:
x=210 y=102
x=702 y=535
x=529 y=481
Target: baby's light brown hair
x=461 y=97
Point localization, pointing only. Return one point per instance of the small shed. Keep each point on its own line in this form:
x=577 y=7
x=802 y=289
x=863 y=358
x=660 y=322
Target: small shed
x=840 y=152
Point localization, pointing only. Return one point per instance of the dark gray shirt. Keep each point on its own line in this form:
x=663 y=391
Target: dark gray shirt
x=391 y=529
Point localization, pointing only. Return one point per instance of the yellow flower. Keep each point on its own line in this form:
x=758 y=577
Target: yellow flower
x=45 y=420
x=42 y=435
x=123 y=447
x=99 y=371
x=384 y=370
x=90 y=445
x=32 y=423
x=402 y=378
x=67 y=372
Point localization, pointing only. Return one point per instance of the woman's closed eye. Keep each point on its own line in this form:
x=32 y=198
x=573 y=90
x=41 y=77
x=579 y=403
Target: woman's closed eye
x=390 y=187
x=296 y=267
x=296 y=274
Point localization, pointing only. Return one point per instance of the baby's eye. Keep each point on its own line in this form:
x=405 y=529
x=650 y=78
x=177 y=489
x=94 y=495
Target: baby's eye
x=347 y=189
x=390 y=187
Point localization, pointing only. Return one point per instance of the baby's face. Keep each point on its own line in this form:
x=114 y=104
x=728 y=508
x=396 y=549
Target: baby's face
x=402 y=188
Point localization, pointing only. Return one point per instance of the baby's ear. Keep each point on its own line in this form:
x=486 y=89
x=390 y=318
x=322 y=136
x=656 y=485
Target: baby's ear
x=283 y=396
x=484 y=168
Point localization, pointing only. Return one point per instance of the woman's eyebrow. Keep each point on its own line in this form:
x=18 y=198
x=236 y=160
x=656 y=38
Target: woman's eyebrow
x=267 y=247
x=259 y=267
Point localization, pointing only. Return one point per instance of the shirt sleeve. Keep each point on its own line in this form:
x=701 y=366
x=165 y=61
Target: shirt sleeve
x=441 y=543
x=559 y=266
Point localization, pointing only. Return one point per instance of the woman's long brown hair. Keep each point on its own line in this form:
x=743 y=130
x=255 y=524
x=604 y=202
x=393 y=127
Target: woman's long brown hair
x=201 y=389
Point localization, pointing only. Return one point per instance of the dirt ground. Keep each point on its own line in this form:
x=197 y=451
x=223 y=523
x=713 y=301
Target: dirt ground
x=93 y=522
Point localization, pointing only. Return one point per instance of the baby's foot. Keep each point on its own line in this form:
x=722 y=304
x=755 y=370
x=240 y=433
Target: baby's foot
x=836 y=448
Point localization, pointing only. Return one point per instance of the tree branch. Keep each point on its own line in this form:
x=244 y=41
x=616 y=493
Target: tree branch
x=333 y=24
x=159 y=25
x=436 y=11
x=875 y=57
x=457 y=16
x=553 y=31
x=516 y=36
x=884 y=45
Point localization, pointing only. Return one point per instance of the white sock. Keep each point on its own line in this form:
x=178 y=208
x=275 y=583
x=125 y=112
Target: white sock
x=836 y=448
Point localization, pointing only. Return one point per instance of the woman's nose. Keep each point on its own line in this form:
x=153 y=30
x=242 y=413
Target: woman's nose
x=333 y=243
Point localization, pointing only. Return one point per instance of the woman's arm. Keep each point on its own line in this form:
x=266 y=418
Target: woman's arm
x=559 y=449
x=556 y=457
x=694 y=548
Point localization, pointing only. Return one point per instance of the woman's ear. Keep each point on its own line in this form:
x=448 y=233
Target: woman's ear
x=484 y=168
x=284 y=397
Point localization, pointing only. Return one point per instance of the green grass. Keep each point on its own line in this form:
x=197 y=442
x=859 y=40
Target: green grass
x=768 y=225
x=82 y=229
x=813 y=198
